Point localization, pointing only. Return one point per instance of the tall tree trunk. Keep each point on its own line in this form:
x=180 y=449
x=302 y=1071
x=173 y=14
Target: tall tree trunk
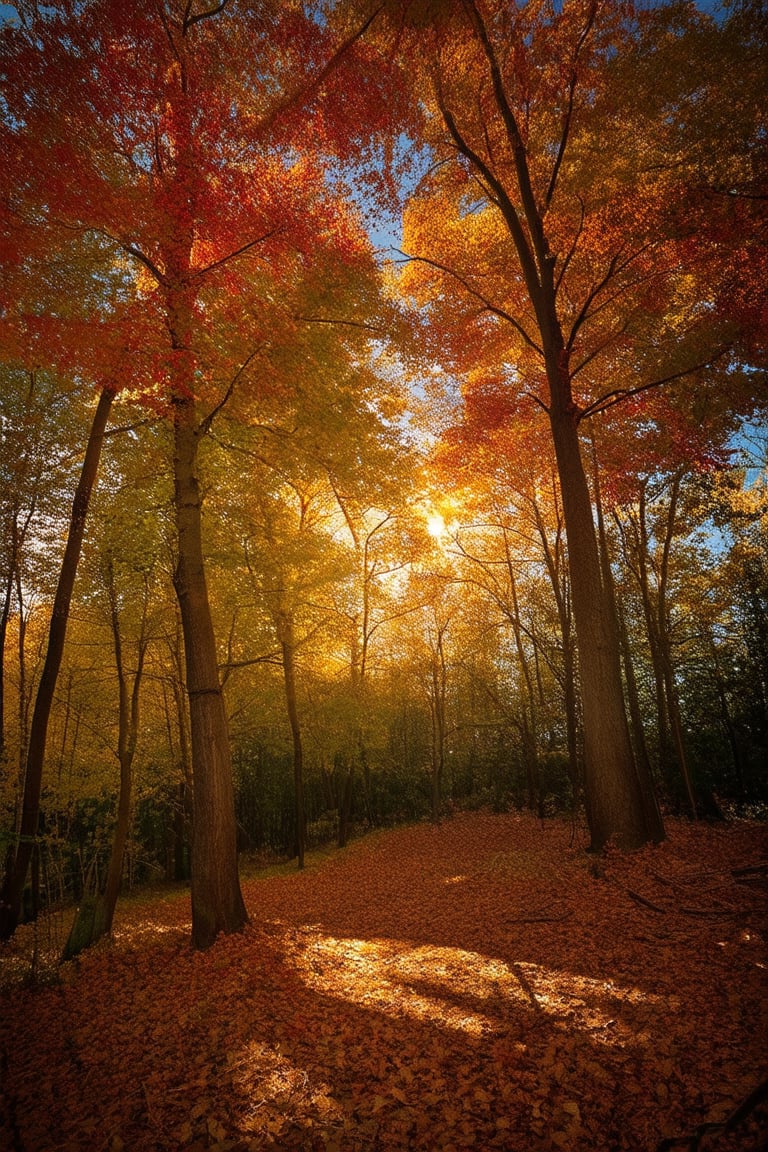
x=217 y=902
x=615 y=807
x=633 y=696
x=665 y=648
x=437 y=702
x=558 y=577
x=285 y=635
x=637 y=557
x=5 y=614
x=728 y=724
x=346 y=792
x=528 y=703
x=13 y=888
x=670 y=730
x=645 y=776
x=128 y=734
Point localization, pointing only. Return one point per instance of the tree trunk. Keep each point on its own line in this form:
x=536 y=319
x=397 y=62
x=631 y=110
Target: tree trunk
x=4 y=618
x=345 y=804
x=438 y=672
x=728 y=724
x=615 y=808
x=633 y=698
x=217 y=902
x=94 y=918
x=128 y=734
x=653 y=817
x=528 y=702
x=13 y=888
x=288 y=648
x=665 y=648
x=558 y=579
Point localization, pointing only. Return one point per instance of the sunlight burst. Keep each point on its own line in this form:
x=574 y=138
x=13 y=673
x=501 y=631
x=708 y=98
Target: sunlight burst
x=435 y=525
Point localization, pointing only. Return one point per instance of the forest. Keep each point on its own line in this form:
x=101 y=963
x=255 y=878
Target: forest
x=383 y=456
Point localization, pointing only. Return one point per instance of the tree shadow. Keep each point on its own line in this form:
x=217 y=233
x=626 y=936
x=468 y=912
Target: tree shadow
x=387 y=1006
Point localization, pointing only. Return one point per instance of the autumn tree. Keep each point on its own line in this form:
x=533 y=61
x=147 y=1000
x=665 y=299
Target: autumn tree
x=558 y=273
x=509 y=531
x=190 y=140
x=51 y=297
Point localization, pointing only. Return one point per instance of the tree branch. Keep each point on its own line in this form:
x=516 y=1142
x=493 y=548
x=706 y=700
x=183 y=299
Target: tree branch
x=572 y=250
x=205 y=424
x=137 y=254
x=190 y=20
x=513 y=135
x=621 y=394
x=303 y=92
x=478 y=296
x=505 y=205
x=348 y=323
x=567 y=119
x=237 y=252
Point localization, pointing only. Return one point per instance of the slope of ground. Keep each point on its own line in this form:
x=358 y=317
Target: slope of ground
x=484 y=984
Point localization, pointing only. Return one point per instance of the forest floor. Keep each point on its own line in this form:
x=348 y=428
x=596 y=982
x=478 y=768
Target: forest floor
x=483 y=984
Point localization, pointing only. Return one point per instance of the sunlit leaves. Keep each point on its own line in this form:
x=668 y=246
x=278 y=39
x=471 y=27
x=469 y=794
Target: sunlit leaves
x=471 y=985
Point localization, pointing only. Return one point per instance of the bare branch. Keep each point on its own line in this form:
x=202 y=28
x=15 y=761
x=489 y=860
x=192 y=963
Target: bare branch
x=129 y=427
x=347 y=323
x=237 y=252
x=568 y=118
x=537 y=400
x=205 y=425
x=620 y=394
x=231 y=665
x=190 y=20
x=487 y=305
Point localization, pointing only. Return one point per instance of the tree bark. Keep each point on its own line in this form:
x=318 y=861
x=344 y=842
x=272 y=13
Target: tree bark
x=285 y=635
x=615 y=808
x=13 y=888
x=528 y=702
x=217 y=902
x=438 y=673
x=346 y=791
x=653 y=816
x=128 y=734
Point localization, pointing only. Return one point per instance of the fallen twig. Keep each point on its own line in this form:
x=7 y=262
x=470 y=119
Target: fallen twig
x=646 y=903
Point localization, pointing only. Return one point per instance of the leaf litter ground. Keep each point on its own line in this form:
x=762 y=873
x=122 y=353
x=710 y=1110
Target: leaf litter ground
x=483 y=984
